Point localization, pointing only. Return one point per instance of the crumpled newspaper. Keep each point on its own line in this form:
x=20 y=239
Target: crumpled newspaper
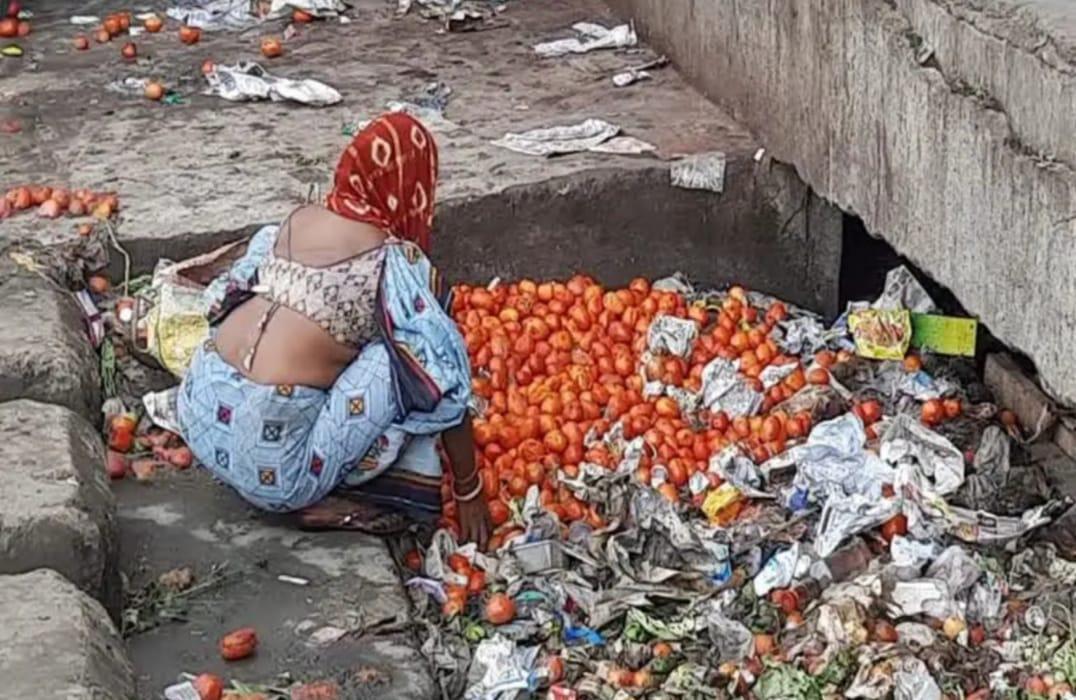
x=700 y=171
x=930 y=596
x=247 y=80
x=596 y=135
x=591 y=37
x=505 y=668
x=672 y=335
x=214 y=15
x=925 y=459
x=725 y=389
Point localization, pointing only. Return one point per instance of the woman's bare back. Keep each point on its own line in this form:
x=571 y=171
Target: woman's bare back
x=292 y=348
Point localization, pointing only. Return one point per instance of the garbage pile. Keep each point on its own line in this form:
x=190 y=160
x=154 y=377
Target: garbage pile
x=711 y=494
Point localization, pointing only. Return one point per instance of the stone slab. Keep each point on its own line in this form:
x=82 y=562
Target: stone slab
x=57 y=643
x=46 y=353
x=946 y=125
x=57 y=510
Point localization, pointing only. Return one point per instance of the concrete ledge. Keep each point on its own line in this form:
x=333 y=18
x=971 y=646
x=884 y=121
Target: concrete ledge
x=57 y=511
x=57 y=643
x=46 y=354
x=1015 y=391
x=946 y=125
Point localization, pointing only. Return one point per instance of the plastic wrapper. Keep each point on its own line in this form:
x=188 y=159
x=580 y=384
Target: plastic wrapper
x=174 y=323
x=592 y=37
x=781 y=569
x=247 y=81
x=724 y=389
x=903 y=291
x=881 y=334
x=910 y=556
x=912 y=681
x=843 y=517
x=701 y=171
x=672 y=335
x=833 y=462
x=957 y=568
x=925 y=459
x=731 y=639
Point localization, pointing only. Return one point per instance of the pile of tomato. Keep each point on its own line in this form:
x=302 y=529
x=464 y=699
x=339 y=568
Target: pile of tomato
x=554 y=362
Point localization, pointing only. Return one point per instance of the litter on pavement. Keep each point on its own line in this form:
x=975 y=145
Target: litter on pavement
x=591 y=37
x=249 y=81
x=590 y=135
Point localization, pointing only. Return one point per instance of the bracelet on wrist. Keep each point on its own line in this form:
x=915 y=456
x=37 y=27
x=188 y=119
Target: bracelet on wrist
x=470 y=495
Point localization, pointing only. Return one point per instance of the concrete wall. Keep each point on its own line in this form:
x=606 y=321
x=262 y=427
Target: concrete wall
x=947 y=125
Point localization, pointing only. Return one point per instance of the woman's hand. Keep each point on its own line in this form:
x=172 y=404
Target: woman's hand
x=475 y=523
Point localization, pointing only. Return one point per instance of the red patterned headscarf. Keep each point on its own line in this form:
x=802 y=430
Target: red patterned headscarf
x=387 y=177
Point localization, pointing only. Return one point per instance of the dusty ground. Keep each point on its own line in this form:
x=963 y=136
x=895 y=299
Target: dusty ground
x=208 y=166
x=184 y=520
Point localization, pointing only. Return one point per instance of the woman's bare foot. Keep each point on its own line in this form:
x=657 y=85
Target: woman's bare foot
x=335 y=513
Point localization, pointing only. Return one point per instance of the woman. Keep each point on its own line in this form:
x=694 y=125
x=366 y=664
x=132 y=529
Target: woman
x=333 y=366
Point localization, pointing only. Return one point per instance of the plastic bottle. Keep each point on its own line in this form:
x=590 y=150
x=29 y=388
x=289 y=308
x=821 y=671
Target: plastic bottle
x=842 y=565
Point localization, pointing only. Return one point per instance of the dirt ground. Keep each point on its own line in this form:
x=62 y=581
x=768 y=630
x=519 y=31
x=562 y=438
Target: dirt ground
x=210 y=169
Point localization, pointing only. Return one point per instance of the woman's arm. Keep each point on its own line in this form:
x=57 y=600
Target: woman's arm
x=475 y=523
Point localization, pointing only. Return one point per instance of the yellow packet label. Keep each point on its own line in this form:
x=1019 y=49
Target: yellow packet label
x=719 y=499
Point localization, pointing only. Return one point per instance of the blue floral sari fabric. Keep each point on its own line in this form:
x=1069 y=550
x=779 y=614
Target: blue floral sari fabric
x=286 y=447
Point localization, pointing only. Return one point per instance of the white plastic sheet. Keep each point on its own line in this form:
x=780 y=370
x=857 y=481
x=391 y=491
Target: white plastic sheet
x=247 y=81
x=591 y=38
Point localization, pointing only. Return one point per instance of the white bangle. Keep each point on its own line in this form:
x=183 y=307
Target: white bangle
x=472 y=495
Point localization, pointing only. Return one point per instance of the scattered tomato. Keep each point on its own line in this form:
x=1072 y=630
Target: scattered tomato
x=953 y=408
x=271 y=47
x=883 y=631
x=154 y=91
x=189 y=35
x=129 y=51
x=238 y=644
x=9 y=27
x=662 y=650
x=301 y=16
x=80 y=42
x=209 y=687
x=23 y=28
x=500 y=609
x=932 y=412
x=897 y=525
x=413 y=560
x=153 y=24
x=764 y=644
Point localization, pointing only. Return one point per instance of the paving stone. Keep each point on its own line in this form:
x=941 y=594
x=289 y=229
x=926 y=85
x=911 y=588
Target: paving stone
x=57 y=509
x=57 y=643
x=46 y=354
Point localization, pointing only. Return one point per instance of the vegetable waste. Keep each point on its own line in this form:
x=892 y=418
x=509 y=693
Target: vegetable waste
x=710 y=493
